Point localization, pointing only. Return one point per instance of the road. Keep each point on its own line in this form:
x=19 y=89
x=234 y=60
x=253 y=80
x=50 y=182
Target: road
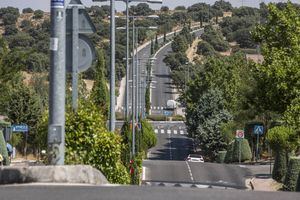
x=58 y=192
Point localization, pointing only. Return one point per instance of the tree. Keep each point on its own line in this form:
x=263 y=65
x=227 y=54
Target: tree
x=27 y=10
x=99 y=94
x=38 y=14
x=180 y=8
x=293 y=171
x=10 y=30
x=38 y=62
x=9 y=19
x=20 y=39
x=204 y=119
x=279 y=73
x=164 y=9
x=142 y=9
x=205 y=49
x=222 y=6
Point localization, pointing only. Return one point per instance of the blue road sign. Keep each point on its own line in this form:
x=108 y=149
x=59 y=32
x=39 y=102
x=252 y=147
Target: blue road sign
x=20 y=128
x=168 y=113
x=258 y=130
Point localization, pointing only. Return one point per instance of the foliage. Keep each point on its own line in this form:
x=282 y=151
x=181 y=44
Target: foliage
x=99 y=94
x=298 y=184
x=205 y=49
x=292 y=114
x=215 y=38
x=279 y=74
x=3 y=149
x=27 y=10
x=148 y=137
x=283 y=138
x=88 y=142
x=204 y=119
x=233 y=152
x=280 y=165
x=142 y=9
x=9 y=15
x=10 y=30
x=38 y=14
x=221 y=156
x=228 y=131
x=292 y=174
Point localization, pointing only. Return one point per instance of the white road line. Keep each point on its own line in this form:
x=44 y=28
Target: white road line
x=190 y=171
x=162 y=131
x=144 y=174
x=170 y=147
x=169 y=131
x=156 y=131
x=175 y=132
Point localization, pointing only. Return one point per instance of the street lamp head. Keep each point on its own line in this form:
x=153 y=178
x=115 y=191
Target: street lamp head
x=155 y=1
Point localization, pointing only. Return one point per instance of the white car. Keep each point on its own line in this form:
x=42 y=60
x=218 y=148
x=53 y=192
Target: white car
x=195 y=158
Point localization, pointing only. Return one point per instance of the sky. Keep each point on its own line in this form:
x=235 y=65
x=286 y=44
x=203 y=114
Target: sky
x=45 y=4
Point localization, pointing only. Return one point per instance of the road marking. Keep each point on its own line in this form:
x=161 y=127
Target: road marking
x=170 y=147
x=190 y=171
x=169 y=131
x=162 y=131
x=181 y=132
x=144 y=174
x=156 y=131
x=175 y=132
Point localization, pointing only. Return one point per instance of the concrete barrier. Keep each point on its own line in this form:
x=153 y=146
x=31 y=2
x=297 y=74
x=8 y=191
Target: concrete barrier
x=76 y=174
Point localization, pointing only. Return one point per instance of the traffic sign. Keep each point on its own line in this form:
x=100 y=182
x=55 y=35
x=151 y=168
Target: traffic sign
x=86 y=53
x=240 y=134
x=168 y=113
x=258 y=130
x=85 y=24
x=20 y=128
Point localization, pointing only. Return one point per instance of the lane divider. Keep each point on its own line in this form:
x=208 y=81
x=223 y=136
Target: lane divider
x=190 y=171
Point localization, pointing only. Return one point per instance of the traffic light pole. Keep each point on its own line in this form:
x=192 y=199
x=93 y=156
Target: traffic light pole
x=133 y=91
x=127 y=62
x=56 y=128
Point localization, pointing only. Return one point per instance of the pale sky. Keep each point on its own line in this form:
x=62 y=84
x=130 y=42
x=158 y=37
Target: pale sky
x=45 y=4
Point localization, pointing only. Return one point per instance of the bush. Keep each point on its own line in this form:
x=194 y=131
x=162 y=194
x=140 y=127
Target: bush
x=205 y=49
x=27 y=10
x=290 y=182
x=156 y=117
x=221 y=156
x=233 y=152
x=298 y=184
x=279 y=169
x=88 y=142
x=3 y=150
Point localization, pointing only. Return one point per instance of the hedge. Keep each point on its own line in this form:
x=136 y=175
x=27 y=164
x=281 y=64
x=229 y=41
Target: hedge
x=221 y=156
x=280 y=166
x=232 y=154
x=298 y=183
x=3 y=149
x=290 y=182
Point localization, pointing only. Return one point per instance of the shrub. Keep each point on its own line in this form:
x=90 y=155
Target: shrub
x=27 y=10
x=88 y=142
x=205 y=49
x=298 y=184
x=3 y=150
x=234 y=151
x=290 y=182
x=279 y=169
x=221 y=156
x=157 y=117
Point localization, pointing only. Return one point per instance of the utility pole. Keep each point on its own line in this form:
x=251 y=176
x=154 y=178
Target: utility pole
x=75 y=47
x=127 y=62
x=112 y=66
x=56 y=128
x=133 y=91
x=137 y=75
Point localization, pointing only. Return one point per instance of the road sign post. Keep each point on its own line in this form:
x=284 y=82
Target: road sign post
x=240 y=135
x=258 y=130
x=57 y=83
x=80 y=52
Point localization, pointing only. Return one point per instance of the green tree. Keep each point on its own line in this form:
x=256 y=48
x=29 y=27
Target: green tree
x=99 y=94
x=280 y=70
x=205 y=49
x=293 y=171
x=27 y=10
x=38 y=14
x=204 y=120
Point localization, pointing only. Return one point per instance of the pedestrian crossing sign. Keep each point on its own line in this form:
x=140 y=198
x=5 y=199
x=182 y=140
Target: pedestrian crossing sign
x=258 y=130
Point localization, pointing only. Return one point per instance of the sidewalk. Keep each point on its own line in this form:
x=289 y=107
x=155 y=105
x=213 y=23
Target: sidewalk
x=265 y=184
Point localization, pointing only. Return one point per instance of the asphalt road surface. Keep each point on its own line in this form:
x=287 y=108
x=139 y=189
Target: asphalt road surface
x=28 y=192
